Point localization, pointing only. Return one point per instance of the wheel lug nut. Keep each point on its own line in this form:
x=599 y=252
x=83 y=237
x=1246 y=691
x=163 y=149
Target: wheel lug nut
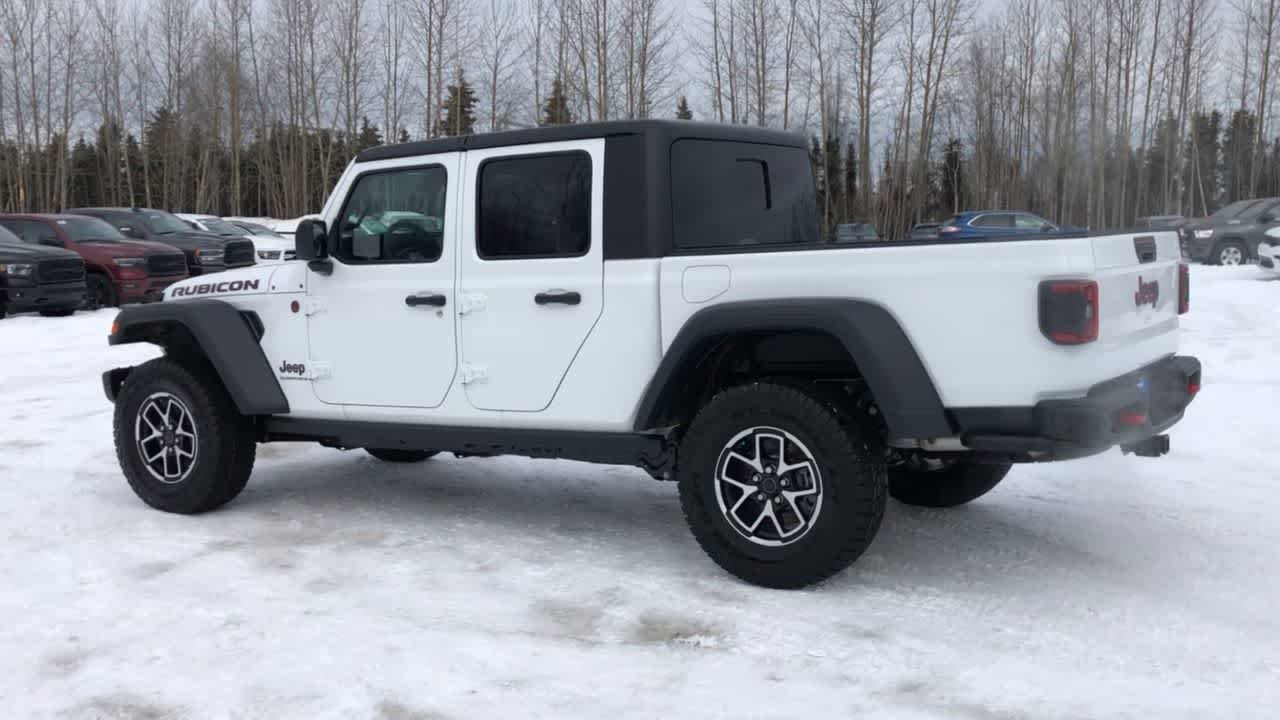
x=760 y=497
x=755 y=477
x=786 y=482
x=777 y=500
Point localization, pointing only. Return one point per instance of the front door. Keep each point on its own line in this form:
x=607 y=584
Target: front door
x=531 y=271
x=382 y=325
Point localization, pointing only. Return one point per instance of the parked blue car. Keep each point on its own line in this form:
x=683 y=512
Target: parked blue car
x=999 y=223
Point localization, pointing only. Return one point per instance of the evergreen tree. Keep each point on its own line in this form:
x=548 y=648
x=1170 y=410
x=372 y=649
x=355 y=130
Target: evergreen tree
x=403 y=137
x=682 y=109
x=368 y=136
x=1238 y=156
x=555 y=111
x=459 y=116
x=952 y=181
x=1203 y=162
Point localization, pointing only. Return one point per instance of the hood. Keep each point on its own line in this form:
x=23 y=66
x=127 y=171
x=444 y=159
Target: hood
x=253 y=280
x=194 y=240
x=125 y=248
x=18 y=252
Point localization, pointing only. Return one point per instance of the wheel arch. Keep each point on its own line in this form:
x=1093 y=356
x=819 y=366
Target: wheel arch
x=212 y=330
x=868 y=338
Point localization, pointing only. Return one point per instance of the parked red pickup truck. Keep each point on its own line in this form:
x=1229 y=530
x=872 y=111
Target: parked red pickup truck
x=117 y=269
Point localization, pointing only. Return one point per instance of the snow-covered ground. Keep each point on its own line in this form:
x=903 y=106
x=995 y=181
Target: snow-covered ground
x=338 y=587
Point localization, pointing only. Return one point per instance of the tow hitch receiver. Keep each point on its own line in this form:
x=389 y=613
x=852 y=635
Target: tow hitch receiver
x=1154 y=446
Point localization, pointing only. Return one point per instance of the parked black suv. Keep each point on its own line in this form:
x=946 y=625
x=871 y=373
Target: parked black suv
x=33 y=277
x=1231 y=235
x=206 y=252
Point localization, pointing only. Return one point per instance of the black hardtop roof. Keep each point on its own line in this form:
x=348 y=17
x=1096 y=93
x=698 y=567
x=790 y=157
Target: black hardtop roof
x=669 y=130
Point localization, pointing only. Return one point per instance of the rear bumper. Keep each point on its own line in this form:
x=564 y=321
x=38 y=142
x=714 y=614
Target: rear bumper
x=1123 y=411
x=51 y=296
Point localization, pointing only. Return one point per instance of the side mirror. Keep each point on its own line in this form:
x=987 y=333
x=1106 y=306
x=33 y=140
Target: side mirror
x=311 y=240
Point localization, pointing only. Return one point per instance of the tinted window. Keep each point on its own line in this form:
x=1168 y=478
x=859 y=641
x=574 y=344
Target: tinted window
x=728 y=194
x=87 y=229
x=394 y=216
x=162 y=223
x=221 y=227
x=12 y=231
x=994 y=220
x=537 y=206
x=1029 y=222
x=1233 y=209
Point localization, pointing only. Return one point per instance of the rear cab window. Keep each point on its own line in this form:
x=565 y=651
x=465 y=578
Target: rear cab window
x=729 y=196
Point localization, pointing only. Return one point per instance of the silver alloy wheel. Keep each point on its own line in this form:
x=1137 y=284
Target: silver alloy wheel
x=1231 y=255
x=768 y=486
x=166 y=437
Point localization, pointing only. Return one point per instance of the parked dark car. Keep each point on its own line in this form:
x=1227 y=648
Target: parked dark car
x=925 y=231
x=47 y=280
x=1161 y=222
x=1230 y=236
x=205 y=252
x=117 y=270
x=856 y=232
x=1000 y=223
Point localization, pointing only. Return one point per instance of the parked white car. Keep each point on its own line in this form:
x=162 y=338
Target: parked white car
x=270 y=244
x=1269 y=252
x=266 y=244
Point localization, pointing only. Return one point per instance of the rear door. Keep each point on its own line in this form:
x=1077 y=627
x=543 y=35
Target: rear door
x=994 y=224
x=531 y=269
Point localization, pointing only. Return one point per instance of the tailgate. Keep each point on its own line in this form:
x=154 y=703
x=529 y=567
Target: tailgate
x=1138 y=289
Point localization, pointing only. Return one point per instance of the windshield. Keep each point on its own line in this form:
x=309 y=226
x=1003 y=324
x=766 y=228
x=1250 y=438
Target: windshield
x=1234 y=209
x=87 y=229
x=162 y=223
x=220 y=226
x=256 y=229
x=7 y=237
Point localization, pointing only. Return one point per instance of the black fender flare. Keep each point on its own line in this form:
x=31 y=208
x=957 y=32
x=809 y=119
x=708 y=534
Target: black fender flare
x=902 y=387
x=227 y=337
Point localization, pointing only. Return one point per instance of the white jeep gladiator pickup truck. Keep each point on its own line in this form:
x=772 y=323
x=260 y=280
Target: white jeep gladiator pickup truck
x=657 y=294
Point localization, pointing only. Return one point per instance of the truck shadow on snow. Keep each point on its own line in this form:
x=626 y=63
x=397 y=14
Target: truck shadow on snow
x=579 y=512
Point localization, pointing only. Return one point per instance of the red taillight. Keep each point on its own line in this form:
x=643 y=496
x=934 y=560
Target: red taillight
x=1184 y=288
x=1069 y=311
x=1132 y=418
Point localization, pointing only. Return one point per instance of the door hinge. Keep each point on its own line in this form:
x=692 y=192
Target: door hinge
x=313 y=306
x=471 y=302
x=472 y=373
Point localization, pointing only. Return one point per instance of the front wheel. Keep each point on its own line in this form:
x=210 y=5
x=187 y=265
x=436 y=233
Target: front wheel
x=400 y=456
x=944 y=484
x=1231 y=253
x=98 y=292
x=779 y=488
x=182 y=444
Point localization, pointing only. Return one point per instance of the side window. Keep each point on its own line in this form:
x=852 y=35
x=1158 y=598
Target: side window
x=394 y=216
x=125 y=224
x=534 y=207
x=1029 y=222
x=994 y=220
x=40 y=232
x=13 y=226
x=729 y=195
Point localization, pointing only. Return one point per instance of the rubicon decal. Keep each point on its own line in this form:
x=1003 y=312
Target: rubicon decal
x=230 y=286
x=288 y=368
x=1148 y=293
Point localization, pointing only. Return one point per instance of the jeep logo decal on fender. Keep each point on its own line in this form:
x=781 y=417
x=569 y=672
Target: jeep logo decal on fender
x=230 y=286
x=295 y=369
x=1148 y=293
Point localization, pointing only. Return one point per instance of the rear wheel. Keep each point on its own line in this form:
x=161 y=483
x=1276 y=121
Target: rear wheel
x=98 y=292
x=182 y=444
x=401 y=456
x=943 y=483
x=1231 y=253
x=778 y=487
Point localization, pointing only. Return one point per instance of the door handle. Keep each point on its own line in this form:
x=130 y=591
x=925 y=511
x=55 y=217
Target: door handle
x=434 y=300
x=558 y=297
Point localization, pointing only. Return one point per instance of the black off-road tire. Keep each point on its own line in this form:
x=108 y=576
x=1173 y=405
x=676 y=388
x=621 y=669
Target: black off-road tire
x=60 y=312
x=99 y=292
x=849 y=456
x=956 y=484
x=225 y=443
x=401 y=456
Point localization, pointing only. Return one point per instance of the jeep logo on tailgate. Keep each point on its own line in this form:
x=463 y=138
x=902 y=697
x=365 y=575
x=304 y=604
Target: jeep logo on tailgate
x=230 y=286
x=1148 y=293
